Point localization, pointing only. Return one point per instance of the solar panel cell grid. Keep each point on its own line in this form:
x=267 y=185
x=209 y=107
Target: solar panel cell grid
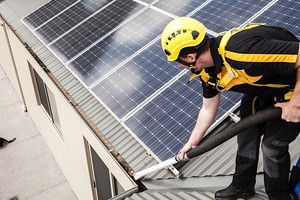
x=136 y=80
x=119 y=46
x=46 y=12
x=284 y=13
x=221 y=15
x=94 y=28
x=67 y=20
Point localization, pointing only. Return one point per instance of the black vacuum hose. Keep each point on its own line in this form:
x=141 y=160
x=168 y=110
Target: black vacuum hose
x=250 y=121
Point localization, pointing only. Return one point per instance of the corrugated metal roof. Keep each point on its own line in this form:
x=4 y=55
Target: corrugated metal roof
x=185 y=195
x=173 y=195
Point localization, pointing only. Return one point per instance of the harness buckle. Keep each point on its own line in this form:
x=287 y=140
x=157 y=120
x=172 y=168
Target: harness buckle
x=215 y=82
x=218 y=87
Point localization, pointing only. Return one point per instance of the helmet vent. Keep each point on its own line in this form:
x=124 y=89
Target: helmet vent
x=167 y=52
x=178 y=32
x=195 y=34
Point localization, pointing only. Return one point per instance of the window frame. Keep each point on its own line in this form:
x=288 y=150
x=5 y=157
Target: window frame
x=43 y=99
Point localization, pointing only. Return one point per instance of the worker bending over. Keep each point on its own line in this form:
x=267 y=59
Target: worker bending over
x=263 y=63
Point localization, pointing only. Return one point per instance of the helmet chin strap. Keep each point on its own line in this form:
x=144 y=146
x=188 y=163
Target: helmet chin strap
x=193 y=70
x=192 y=65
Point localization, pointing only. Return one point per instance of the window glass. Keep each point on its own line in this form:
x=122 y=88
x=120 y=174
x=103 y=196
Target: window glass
x=52 y=102
x=45 y=98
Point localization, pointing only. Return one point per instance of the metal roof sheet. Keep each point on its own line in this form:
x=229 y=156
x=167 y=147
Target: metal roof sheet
x=173 y=195
x=185 y=195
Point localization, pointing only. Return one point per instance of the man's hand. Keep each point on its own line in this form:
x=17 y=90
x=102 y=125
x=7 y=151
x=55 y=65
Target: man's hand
x=188 y=146
x=290 y=111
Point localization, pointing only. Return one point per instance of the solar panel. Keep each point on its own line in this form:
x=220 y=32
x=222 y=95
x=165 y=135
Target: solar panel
x=68 y=19
x=119 y=46
x=96 y=27
x=220 y=15
x=135 y=81
x=284 y=13
x=46 y=12
x=179 y=8
x=113 y=48
x=148 y=1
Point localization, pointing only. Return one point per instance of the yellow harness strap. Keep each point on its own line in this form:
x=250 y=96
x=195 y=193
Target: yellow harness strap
x=231 y=73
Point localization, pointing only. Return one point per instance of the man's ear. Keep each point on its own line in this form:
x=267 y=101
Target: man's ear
x=192 y=57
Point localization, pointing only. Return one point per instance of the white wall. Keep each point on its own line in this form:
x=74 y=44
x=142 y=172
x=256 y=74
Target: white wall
x=69 y=150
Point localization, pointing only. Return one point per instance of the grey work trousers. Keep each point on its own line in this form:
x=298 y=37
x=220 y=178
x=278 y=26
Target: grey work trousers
x=275 y=137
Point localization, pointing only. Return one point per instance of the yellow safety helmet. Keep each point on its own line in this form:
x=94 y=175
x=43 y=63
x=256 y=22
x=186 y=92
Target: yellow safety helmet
x=180 y=33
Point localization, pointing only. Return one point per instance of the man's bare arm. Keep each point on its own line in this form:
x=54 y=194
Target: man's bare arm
x=205 y=118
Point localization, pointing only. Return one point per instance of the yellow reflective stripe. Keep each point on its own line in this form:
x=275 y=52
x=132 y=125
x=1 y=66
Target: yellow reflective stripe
x=263 y=85
x=288 y=95
x=242 y=57
x=252 y=79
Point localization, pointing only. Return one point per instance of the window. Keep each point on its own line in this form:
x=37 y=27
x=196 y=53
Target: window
x=53 y=108
x=45 y=98
x=118 y=189
x=102 y=182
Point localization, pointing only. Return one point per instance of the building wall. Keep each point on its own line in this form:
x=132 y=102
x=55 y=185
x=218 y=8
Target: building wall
x=68 y=148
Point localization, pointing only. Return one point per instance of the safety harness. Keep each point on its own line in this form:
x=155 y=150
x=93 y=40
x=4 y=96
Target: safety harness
x=229 y=76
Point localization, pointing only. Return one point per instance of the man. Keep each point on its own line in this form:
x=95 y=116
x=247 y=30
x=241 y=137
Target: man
x=263 y=63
